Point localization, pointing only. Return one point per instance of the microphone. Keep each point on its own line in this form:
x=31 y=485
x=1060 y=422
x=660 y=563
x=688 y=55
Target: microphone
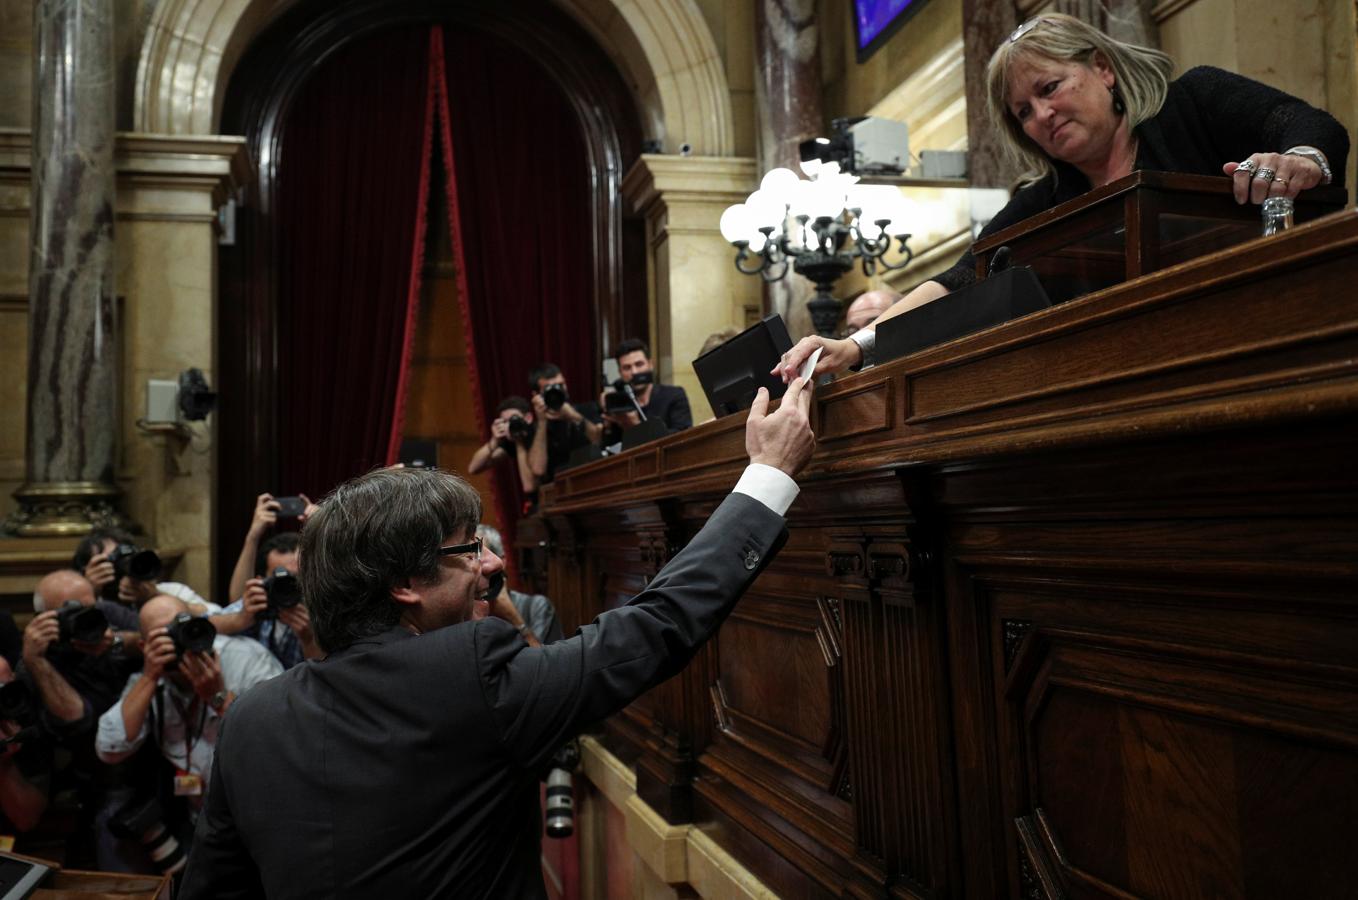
x=999 y=261
x=626 y=390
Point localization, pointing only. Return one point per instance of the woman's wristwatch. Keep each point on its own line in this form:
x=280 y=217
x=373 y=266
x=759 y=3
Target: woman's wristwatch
x=1315 y=156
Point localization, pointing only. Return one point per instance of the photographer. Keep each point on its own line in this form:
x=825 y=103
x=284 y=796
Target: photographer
x=666 y=402
x=25 y=766
x=271 y=610
x=511 y=433
x=569 y=425
x=191 y=677
x=268 y=510
x=126 y=573
x=75 y=666
x=73 y=658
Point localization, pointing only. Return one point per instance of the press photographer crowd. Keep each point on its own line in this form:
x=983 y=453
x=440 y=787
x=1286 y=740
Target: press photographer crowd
x=634 y=407
x=119 y=694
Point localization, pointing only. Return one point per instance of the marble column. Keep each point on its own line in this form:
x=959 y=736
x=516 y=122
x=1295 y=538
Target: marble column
x=788 y=97
x=984 y=25
x=72 y=364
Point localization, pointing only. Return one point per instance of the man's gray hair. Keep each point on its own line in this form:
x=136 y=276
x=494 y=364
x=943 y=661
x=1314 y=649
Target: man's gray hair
x=370 y=535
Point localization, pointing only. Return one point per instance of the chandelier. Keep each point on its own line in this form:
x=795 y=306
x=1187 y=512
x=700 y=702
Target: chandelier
x=818 y=228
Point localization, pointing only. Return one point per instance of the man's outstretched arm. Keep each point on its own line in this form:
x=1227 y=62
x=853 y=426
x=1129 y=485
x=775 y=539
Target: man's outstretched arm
x=541 y=697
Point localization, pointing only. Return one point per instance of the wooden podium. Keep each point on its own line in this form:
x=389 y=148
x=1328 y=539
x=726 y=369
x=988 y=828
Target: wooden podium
x=1069 y=606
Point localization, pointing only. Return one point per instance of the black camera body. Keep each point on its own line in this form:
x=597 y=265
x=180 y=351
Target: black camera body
x=520 y=429
x=191 y=634
x=290 y=507
x=555 y=396
x=283 y=590
x=617 y=400
x=76 y=622
x=132 y=561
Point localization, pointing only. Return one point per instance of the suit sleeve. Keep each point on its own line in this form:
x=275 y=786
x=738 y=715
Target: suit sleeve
x=220 y=866
x=540 y=697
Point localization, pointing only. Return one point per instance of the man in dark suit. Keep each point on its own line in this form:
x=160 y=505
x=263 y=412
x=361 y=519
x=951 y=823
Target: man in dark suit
x=666 y=402
x=406 y=763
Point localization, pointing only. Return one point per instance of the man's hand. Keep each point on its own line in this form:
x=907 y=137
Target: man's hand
x=204 y=673
x=8 y=729
x=310 y=508
x=266 y=515
x=99 y=572
x=783 y=440
x=158 y=654
x=256 y=598
x=298 y=619
x=499 y=430
x=135 y=591
x=40 y=634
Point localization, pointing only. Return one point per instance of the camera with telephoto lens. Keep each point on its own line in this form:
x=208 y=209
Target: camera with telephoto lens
x=520 y=429
x=555 y=396
x=77 y=622
x=283 y=591
x=132 y=561
x=191 y=634
x=141 y=820
x=641 y=379
x=559 y=814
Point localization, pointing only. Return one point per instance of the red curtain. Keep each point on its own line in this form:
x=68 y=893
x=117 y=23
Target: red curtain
x=519 y=198
x=353 y=192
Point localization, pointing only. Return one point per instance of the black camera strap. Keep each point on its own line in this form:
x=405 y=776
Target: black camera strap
x=191 y=735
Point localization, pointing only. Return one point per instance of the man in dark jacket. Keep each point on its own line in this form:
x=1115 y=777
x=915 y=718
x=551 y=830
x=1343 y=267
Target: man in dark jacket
x=410 y=759
x=665 y=402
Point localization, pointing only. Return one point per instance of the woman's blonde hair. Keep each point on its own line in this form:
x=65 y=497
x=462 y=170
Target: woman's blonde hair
x=1142 y=78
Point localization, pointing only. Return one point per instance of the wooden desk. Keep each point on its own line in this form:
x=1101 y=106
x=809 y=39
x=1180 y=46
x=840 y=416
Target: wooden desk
x=1069 y=606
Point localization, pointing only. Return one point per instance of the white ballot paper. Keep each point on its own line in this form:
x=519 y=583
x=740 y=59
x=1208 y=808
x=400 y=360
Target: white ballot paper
x=810 y=365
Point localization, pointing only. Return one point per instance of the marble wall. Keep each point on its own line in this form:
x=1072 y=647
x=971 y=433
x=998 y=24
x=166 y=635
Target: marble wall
x=166 y=249
x=693 y=286
x=1260 y=39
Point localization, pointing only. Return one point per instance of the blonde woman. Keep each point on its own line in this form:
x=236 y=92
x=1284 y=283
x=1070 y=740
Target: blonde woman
x=1079 y=110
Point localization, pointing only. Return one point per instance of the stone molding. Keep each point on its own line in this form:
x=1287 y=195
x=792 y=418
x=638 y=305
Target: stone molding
x=676 y=854
x=656 y=178
x=664 y=49
x=216 y=164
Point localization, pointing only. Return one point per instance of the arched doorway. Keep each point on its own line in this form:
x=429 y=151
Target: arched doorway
x=268 y=79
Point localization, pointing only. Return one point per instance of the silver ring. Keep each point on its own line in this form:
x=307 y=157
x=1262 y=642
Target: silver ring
x=1264 y=174
x=1248 y=165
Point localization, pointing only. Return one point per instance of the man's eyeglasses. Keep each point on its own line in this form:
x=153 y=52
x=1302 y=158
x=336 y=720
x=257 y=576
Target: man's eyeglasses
x=473 y=547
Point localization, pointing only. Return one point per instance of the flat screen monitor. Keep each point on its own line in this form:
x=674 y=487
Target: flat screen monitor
x=733 y=373
x=875 y=21
x=19 y=877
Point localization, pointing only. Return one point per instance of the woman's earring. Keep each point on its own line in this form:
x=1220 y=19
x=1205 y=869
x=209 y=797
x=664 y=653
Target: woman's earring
x=1118 y=106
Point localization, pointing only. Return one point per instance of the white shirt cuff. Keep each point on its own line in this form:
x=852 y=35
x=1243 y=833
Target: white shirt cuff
x=772 y=487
